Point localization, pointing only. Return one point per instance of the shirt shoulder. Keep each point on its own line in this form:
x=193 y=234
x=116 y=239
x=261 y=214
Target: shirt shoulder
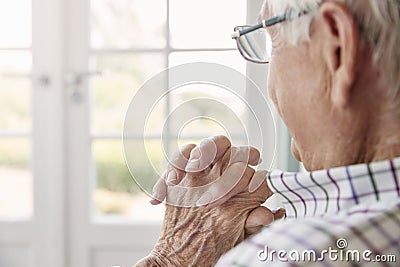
x=364 y=234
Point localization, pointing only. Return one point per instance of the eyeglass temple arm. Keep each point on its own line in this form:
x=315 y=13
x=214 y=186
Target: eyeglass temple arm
x=263 y=24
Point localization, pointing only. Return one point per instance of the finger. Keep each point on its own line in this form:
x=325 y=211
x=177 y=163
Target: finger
x=258 y=218
x=257 y=181
x=159 y=191
x=247 y=154
x=259 y=186
x=176 y=167
x=279 y=214
x=233 y=181
x=263 y=191
x=173 y=175
x=209 y=151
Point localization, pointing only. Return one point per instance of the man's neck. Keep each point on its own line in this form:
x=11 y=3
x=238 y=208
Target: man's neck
x=384 y=144
x=389 y=148
x=381 y=144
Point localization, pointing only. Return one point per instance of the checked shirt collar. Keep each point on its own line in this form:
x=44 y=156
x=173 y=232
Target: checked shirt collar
x=318 y=193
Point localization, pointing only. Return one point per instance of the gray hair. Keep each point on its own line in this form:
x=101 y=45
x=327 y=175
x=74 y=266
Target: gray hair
x=378 y=21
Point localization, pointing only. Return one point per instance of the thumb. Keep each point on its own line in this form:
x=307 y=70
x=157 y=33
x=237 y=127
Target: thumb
x=259 y=217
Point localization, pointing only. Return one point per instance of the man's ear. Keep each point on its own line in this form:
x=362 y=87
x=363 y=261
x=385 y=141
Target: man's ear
x=341 y=39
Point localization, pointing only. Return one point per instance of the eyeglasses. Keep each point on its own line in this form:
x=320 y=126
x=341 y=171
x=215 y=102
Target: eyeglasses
x=254 y=42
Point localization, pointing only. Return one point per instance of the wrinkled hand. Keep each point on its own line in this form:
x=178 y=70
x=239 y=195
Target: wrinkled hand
x=201 y=225
x=198 y=236
x=197 y=161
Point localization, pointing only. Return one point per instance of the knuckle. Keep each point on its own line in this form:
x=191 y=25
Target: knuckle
x=180 y=157
x=242 y=154
x=206 y=141
x=185 y=149
x=221 y=138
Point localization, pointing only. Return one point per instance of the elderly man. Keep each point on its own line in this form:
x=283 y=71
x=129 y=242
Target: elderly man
x=334 y=76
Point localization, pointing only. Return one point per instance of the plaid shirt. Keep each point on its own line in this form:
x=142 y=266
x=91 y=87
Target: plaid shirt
x=346 y=216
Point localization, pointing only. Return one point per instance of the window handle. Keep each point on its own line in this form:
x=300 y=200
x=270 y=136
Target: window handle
x=73 y=82
x=76 y=78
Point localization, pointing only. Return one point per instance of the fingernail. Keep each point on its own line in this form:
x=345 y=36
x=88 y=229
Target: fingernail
x=257 y=181
x=155 y=196
x=204 y=200
x=171 y=178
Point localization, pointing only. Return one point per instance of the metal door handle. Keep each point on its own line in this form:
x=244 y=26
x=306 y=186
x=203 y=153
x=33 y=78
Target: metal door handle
x=73 y=82
x=76 y=78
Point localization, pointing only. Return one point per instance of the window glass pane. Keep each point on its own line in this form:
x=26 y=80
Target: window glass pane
x=122 y=75
x=208 y=127
x=221 y=111
x=127 y=23
x=116 y=193
x=202 y=110
x=15 y=24
x=206 y=23
x=15 y=62
x=16 y=188
x=231 y=59
x=15 y=105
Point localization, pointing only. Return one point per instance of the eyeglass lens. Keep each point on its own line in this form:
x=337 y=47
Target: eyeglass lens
x=255 y=45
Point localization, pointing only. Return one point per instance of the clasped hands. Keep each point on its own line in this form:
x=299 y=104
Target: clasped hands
x=213 y=201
